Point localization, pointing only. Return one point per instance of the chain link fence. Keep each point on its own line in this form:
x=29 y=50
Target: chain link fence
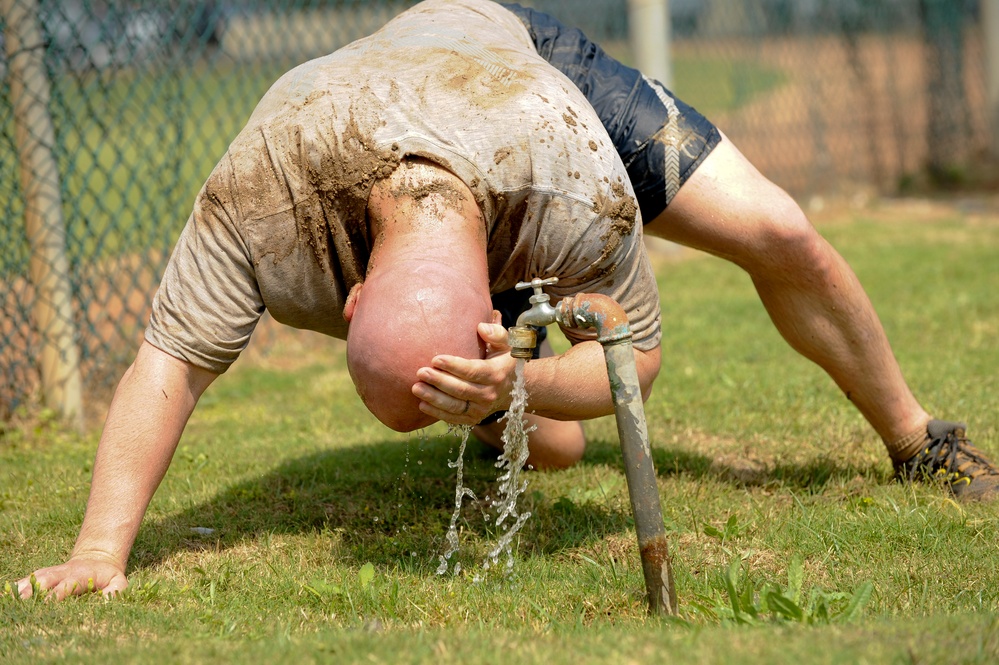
x=113 y=112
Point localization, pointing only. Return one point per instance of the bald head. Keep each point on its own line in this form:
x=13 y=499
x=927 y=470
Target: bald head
x=406 y=313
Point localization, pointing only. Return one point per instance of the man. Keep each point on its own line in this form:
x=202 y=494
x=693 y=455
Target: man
x=716 y=202
x=383 y=204
x=696 y=189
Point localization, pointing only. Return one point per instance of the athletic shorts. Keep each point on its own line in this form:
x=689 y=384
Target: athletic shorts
x=661 y=140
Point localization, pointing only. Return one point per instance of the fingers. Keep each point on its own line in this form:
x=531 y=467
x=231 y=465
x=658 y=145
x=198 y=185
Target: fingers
x=449 y=405
x=468 y=414
x=117 y=584
x=495 y=336
x=468 y=395
x=24 y=589
x=460 y=386
x=463 y=391
x=44 y=582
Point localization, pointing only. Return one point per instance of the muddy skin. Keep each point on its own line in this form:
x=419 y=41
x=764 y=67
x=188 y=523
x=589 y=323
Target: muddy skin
x=449 y=194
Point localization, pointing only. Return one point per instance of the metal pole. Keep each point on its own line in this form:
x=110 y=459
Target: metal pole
x=614 y=334
x=990 y=35
x=640 y=473
x=649 y=28
x=48 y=267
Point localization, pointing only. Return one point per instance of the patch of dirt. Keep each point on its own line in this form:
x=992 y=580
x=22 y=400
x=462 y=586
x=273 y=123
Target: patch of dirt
x=741 y=468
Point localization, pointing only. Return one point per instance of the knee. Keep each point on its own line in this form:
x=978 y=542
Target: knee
x=786 y=239
x=560 y=445
x=553 y=444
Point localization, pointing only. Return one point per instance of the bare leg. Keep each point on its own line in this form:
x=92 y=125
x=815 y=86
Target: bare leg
x=727 y=208
x=555 y=444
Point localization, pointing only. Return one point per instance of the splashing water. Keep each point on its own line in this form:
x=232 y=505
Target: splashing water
x=460 y=492
x=512 y=460
x=511 y=486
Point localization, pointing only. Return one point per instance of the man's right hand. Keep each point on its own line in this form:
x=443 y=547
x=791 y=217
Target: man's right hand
x=147 y=416
x=81 y=574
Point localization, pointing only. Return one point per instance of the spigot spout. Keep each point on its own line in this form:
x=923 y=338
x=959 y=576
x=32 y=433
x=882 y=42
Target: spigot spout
x=523 y=338
x=541 y=312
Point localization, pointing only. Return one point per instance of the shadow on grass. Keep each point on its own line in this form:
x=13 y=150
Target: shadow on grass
x=382 y=501
x=387 y=500
x=810 y=477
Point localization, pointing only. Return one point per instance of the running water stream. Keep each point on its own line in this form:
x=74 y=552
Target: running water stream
x=460 y=492
x=512 y=462
x=511 y=485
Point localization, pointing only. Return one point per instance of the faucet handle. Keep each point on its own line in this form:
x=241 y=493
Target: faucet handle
x=536 y=284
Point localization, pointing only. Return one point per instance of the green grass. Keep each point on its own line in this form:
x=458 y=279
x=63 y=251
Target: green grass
x=713 y=85
x=790 y=543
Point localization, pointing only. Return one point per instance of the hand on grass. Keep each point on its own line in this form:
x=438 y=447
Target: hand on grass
x=461 y=391
x=81 y=574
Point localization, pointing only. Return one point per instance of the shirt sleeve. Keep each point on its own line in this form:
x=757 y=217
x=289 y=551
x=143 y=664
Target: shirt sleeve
x=208 y=302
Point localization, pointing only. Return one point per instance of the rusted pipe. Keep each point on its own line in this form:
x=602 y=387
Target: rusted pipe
x=614 y=333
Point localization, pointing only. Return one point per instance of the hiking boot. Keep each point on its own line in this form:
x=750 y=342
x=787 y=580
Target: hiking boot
x=948 y=457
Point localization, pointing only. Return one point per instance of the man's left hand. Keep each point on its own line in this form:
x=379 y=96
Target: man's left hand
x=461 y=391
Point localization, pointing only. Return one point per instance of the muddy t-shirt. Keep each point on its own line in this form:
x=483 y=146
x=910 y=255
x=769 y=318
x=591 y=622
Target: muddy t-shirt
x=280 y=223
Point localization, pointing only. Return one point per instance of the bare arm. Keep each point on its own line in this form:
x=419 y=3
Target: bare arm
x=570 y=386
x=148 y=414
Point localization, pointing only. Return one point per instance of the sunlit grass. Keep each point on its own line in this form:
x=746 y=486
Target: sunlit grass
x=292 y=526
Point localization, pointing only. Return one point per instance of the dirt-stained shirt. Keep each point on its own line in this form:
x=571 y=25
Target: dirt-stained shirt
x=280 y=224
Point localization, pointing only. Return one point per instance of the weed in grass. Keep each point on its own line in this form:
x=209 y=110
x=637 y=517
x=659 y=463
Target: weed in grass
x=362 y=598
x=820 y=606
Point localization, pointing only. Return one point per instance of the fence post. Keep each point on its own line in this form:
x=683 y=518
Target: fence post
x=649 y=29
x=48 y=267
x=990 y=35
x=650 y=34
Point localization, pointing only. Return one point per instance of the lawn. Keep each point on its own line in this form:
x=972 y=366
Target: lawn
x=293 y=527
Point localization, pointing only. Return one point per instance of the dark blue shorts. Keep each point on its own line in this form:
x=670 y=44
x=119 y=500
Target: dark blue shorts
x=661 y=140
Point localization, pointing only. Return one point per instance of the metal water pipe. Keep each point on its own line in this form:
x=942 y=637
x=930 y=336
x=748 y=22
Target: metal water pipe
x=614 y=334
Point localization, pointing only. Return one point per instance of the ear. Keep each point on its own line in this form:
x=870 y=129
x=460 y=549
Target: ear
x=352 y=299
